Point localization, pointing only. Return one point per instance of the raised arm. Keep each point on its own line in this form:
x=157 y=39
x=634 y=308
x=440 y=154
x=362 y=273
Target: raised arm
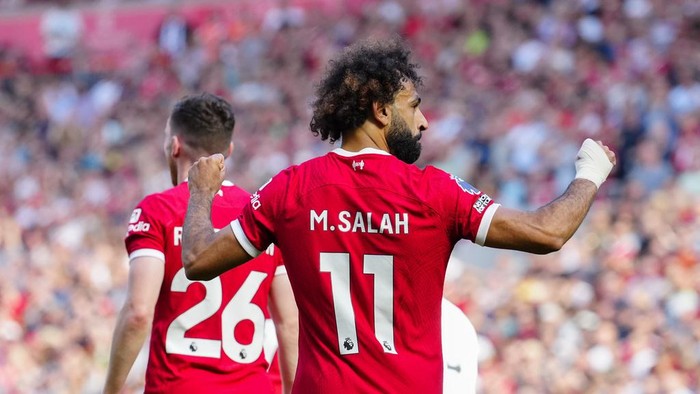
x=548 y=228
x=207 y=254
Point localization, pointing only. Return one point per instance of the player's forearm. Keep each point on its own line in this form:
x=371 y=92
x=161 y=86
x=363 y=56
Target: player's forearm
x=563 y=216
x=283 y=310
x=288 y=354
x=197 y=236
x=129 y=336
x=548 y=228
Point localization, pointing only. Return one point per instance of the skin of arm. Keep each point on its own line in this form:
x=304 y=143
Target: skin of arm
x=135 y=319
x=546 y=229
x=207 y=254
x=283 y=310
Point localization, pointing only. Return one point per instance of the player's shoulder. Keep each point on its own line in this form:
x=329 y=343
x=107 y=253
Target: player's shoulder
x=233 y=193
x=157 y=208
x=444 y=180
x=165 y=198
x=433 y=173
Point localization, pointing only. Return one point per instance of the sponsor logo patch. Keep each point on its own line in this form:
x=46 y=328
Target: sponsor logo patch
x=139 y=227
x=255 y=201
x=135 y=215
x=481 y=203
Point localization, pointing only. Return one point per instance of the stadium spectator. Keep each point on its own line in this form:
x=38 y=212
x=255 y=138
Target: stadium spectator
x=62 y=31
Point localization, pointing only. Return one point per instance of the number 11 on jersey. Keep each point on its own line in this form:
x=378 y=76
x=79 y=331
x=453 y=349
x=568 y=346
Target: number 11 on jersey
x=381 y=267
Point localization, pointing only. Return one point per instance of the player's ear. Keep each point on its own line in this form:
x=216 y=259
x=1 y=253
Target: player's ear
x=382 y=113
x=175 y=147
x=230 y=149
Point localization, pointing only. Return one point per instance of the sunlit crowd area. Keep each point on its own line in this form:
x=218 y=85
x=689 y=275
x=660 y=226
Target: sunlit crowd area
x=511 y=89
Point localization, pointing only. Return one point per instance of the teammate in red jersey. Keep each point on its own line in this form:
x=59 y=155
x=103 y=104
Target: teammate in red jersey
x=366 y=235
x=206 y=336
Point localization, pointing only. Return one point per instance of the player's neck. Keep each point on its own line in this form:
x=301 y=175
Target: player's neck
x=183 y=169
x=365 y=136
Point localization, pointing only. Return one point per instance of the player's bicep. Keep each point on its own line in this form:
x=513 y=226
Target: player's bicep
x=283 y=307
x=517 y=230
x=146 y=274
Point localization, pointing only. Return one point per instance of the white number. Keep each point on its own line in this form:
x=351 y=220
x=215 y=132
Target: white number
x=241 y=308
x=238 y=309
x=382 y=268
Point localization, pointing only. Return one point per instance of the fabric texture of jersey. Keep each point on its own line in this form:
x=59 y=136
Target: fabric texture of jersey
x=366 y=240
x=207 y=337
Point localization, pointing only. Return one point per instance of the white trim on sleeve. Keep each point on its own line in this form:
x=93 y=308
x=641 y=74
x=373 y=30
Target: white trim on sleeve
x=243 y=240
x=485 y=224
x=155 y=253
x=280 y=270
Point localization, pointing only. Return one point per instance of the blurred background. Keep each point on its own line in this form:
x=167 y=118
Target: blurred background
x=511 y=90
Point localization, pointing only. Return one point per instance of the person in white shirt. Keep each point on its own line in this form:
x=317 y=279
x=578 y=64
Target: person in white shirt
x=459 y=351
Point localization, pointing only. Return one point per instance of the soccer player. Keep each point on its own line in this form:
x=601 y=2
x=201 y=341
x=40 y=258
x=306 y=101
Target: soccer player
x=366 y=235
x=205 y=336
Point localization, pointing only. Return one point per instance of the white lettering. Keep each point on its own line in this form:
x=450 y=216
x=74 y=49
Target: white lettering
x=359 y=223
x=386 y=224
x=177 y=235
x=138 y=227
x=401 y=223
x=343 y=217
x=255 y=201
x=481 y=203
x=370 y=229
x=320 y=219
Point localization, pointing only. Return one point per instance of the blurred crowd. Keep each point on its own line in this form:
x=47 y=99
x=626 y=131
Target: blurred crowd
x=511 y=89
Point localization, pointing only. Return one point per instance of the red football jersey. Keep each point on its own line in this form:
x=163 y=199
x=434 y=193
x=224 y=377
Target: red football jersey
x=366 y=239
x=207 y=336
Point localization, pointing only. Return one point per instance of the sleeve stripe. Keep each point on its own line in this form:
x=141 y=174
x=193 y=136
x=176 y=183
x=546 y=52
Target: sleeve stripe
x=147 y=253
x=485 y=224
x=281 y=270
x=243 y=239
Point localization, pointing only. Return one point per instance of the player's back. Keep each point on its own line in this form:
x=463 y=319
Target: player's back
x=366 y=240
x=206 y=336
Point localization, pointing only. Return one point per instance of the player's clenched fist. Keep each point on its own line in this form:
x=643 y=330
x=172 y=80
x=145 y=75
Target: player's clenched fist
x=207 y=174
x=594 y=161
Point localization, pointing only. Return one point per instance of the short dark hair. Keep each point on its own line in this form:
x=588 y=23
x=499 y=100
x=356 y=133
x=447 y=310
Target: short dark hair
x=204 y=121
x=367 y=72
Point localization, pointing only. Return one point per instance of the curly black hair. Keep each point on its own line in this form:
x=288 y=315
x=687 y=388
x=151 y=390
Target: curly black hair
x=204 y=121
x=364 y=73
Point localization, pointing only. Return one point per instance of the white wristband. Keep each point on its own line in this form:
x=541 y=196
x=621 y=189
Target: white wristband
x=592 y=163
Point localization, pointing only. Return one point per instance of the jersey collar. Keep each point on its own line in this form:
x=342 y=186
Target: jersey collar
x=224 y=183
x=363 y=151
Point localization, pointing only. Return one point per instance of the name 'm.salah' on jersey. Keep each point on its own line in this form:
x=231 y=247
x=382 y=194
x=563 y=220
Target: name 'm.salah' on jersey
x=366 y=239
x=207 y=337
